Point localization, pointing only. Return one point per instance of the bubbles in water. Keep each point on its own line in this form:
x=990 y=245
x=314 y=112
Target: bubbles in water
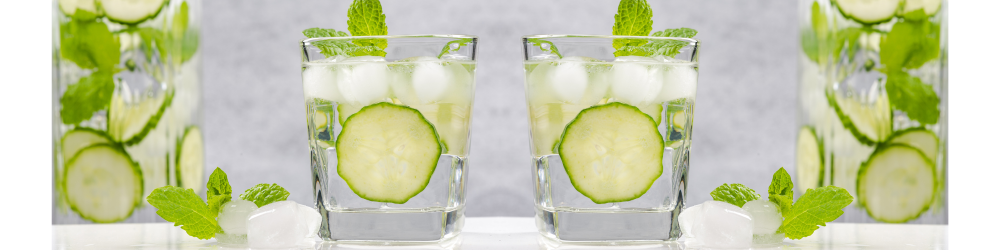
x=717 y=224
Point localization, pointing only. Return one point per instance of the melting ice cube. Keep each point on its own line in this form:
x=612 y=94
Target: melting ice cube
x=433 y=79
x=281 y=224
x=633 y=81
x=678 y=82
x=364 y=83
x=233 y=216
x=766 y=216
x=717 y=224
x=321 y=82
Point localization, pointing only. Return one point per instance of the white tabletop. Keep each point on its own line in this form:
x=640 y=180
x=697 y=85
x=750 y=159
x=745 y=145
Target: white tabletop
x=500 y=233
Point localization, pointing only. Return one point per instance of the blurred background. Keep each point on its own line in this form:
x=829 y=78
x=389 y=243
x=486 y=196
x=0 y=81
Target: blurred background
x=254 y=117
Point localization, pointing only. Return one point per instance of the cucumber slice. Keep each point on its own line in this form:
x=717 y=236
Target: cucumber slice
x=103 y=184
x=129 y=124
x=387 y=152
x=131 y=11
x=808 y=160
x=80 y=138
x=679 y=119
x=896 y=184
x=868 y=11
x=69 y=7
x=930 y=7
x=654 y=111
x=612 y=152
x=345 y=111
x=870 y=124
x=919 y=138
x=191 y=160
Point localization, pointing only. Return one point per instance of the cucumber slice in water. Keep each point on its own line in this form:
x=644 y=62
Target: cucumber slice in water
x=131 y=11
x=896 y=184
x=869 y=123
x=387 y=152
x=79 y=138
x=930 y=7
x=129 y=124
x=868 y=11
x=919 y=138
x=345 y=111
x=191 y=160
x=103 y=184
x=654 y=111
x=612 y=152
x=808 y=160
x=69 y=7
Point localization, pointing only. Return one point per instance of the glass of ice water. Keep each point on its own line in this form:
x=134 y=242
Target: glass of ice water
x=389 y=135
x=611 y=120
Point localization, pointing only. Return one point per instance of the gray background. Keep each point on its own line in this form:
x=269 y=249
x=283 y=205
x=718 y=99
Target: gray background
x=255 y=112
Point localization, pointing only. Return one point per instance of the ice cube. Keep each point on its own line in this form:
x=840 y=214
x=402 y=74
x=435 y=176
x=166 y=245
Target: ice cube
x=364 y=83
x=281 y=224
x=320 y=82
x=433 y=79
x=634 y=82
x=678 y=82
x=765 y=214
x=717 y=224
x=233 y=216
x=569 y=80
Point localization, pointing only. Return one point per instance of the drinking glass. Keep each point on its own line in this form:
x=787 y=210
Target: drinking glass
x=127 y=108
x=610 y=134
x=873 y=108
x=389 y=135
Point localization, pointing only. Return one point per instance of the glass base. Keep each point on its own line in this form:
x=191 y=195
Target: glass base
x=404 y=227
x=608 y=228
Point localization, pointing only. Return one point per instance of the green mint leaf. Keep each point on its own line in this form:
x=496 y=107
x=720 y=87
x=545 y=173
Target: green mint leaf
x=89 y=44
x=320 y=32
x=448 y=46
x=780 y=190
x=815 y=208
x=263 y=194
x=736 y=194
x=908 y=94
x=550 y=48
x=910 y=44
x=365 y=18
x=184 y=208
x=91 y=94
x=634 y=18
x=329 y=47
x=219 y=191
x=669 y=48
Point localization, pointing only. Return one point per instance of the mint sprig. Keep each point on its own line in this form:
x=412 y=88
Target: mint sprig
x=197 y=217
x=184 y=208
x=89 y=95
x=909 y=45
x=263 y=194
x=364 y=18
x=736 y=194
x=813 y=209
x=634 y=18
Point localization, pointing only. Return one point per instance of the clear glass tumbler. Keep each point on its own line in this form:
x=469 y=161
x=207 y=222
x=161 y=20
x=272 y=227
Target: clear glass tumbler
x=873 y=107
x=389 y=135
x=127 y=108
x=611 y=120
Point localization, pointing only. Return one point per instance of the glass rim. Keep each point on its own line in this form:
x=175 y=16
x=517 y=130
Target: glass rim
x=457 y=36
x=690 y=40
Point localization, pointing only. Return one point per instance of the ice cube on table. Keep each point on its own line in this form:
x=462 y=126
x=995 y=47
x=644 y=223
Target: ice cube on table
x=233 y=216
x=364 y=83
x=679 y=81
x=321 y=82
x=766 y=216
x=717 y=224
x=281 y=224
x=634 y=81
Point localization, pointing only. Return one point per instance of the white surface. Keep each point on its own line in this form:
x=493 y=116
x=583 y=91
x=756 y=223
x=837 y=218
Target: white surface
x=499 y=233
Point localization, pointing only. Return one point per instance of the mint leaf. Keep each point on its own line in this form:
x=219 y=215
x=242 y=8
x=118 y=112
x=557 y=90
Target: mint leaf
x=365 y=18
x=634 y=18
x=89 y=44
x=910 y=44
x=448 y=46
x=780 y=190
x=184 y=208
x=329 y=47
x=219 y=191
x=736 y=194
x=551 y=47
x=263 y=194
x=91 y=94
x=908 y=94
x=815 y=208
